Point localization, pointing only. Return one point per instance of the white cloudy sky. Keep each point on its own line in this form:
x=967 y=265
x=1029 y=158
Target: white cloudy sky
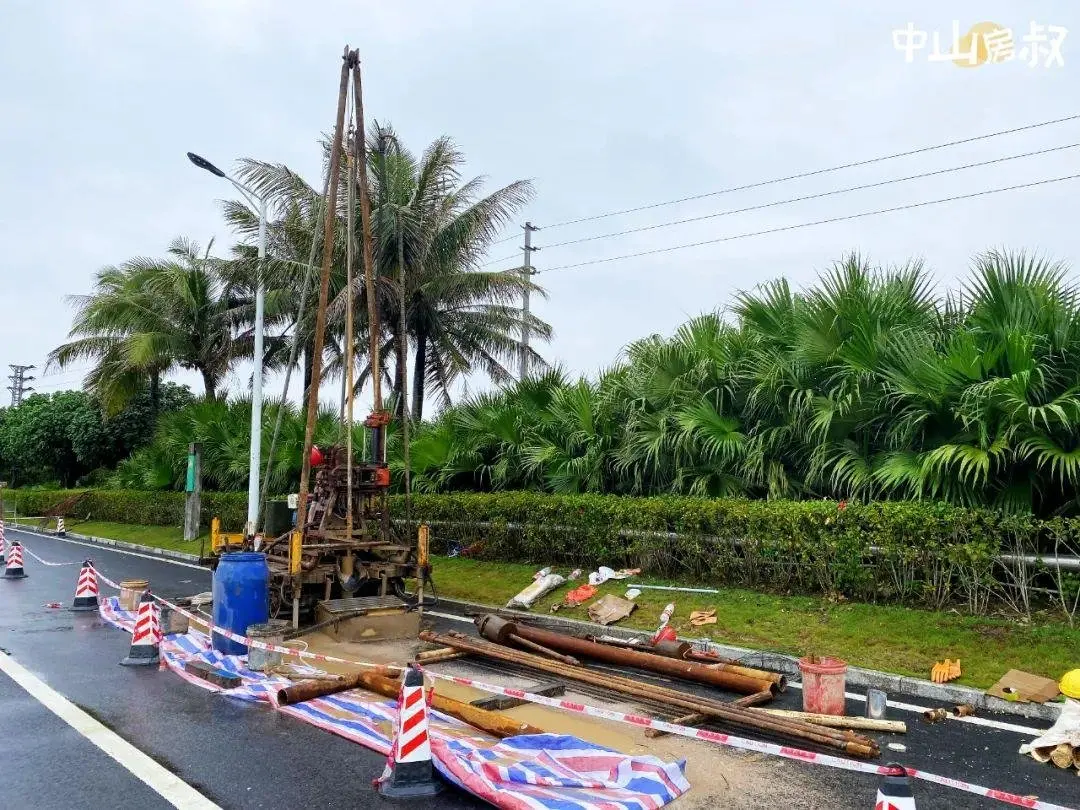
x=605 y=104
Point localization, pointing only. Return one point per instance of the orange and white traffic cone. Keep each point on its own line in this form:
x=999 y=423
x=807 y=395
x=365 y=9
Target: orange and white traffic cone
x=14 y=567
x=409 y=772
x=86 y=591
x=894 y=793
x=147 y=635
x=60 y=530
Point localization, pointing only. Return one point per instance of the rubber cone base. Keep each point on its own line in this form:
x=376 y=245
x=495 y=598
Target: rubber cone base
x=411 y=780
x=14 y=573
x=144 y=655
x=84 y=604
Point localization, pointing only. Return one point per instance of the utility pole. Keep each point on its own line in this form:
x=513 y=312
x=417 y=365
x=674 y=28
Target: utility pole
x=526 y=272
x=19 y=380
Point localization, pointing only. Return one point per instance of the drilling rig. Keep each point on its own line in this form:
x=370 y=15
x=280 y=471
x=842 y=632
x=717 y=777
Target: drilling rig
x=343 y=558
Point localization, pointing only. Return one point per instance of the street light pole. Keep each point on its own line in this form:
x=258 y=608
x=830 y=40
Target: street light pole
x=254 y=458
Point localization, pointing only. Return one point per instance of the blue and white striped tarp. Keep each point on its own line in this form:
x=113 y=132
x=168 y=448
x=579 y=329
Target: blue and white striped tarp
x=530 y=772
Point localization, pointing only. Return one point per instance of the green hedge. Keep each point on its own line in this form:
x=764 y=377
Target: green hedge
x=914 y=552
x=130 y=506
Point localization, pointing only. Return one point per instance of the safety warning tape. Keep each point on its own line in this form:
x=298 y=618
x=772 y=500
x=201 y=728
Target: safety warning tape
x=719 y=738
x=263 y=645
x=104 y=578
x=45 y=562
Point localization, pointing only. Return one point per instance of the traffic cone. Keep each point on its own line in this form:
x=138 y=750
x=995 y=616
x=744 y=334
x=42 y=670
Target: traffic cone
x=14 y=569
x=147 y=635
x=409 y=772
x=60 y=530
x=86 y=591
x=895 y=791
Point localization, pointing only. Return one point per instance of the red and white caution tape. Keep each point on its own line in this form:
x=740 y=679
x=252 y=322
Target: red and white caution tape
x=105 y=579
x=46 y=562
x=719 y=738
x=263 y=645
x=786 y=751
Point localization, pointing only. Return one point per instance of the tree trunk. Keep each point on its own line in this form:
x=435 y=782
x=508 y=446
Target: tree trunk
x=307 y=372
x=419 y=378
x=155 y=392
x=210 y=385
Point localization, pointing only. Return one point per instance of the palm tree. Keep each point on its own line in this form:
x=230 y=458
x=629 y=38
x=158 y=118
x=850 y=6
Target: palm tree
x=148 y=317
x=429 y=229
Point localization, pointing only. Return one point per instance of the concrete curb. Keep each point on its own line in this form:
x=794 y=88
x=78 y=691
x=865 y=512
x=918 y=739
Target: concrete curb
x=788 y=665
x=109 y=543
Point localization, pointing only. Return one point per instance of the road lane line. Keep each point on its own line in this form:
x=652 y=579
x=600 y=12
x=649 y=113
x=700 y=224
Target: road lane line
x=111 y=550
x=905 y=707
x=170 y=787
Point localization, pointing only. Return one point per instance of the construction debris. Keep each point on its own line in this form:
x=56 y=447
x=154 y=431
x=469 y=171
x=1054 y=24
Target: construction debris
x=610 y=609
x=738 y=716
x=935 y=715
x=1018 y=686
x=578 y=596
x=963 y=710
x=699 y=618
x=538 y=589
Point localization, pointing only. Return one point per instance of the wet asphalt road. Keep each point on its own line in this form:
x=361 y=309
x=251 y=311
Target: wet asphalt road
x=242 y=755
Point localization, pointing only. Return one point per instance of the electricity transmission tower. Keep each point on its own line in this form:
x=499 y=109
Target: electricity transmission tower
x=19 y=379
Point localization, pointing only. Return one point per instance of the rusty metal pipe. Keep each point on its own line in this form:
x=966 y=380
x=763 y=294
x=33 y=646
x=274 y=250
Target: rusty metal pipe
x=309 y=689
x=495 y=629
x=685 y=652
x=542 y=650
x=437 y=656
x=850 y=743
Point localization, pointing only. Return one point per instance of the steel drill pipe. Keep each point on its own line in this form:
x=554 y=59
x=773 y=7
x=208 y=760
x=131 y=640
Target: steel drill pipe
x=852 y=744
x=309 y=689
x=495 y=629
x=685 y=652
x=857 y=746
x=498 y=725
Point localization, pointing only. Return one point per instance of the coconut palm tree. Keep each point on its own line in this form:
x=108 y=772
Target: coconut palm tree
x=148 y=317
x=430 y=229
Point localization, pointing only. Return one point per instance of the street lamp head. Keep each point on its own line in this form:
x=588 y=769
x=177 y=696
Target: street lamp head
x=203 y=163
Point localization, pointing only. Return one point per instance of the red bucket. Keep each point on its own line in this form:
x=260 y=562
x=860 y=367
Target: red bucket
x=823 y=685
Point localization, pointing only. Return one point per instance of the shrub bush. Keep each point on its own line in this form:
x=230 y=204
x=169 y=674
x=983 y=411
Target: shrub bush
x=921 y=553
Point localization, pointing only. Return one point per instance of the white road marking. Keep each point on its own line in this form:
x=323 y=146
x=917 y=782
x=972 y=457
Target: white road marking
x=112 y=550
x=170 y=787
x=904 y=707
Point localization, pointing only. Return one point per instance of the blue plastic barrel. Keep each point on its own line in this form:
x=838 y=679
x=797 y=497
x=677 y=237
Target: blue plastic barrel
x=241 y=597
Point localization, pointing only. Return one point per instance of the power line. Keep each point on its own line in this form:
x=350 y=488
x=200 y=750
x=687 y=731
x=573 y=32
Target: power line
x=816 y=222
x=815 y=172
x=497 y=261
x=811 y=196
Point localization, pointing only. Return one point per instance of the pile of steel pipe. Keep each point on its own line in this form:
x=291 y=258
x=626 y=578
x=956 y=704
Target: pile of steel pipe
x=846 y=741
x=735 y=679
